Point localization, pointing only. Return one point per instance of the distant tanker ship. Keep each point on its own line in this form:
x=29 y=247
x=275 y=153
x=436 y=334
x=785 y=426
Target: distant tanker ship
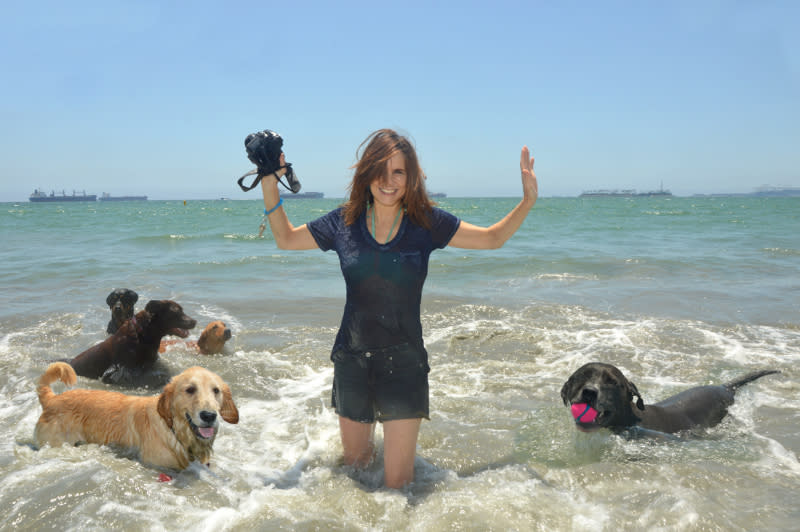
x=39 y=196
x=624 y=193
x=108 y=197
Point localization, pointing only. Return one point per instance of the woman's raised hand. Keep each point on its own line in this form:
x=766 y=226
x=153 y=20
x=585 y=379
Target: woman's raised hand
x=530 y=187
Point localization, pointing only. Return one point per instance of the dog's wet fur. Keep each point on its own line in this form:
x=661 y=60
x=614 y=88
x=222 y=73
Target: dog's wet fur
x=620 y=406
x=133 y=349
x=211 y=341
x=169 y=430
x=213 y=338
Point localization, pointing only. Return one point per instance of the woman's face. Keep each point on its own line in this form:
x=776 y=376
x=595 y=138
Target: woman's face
x=390 y=188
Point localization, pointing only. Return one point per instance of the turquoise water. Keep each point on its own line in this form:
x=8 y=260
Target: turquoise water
x=715 y=259
x=675 y=291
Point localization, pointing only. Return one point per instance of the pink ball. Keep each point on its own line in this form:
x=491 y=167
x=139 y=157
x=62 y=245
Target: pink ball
x=583 y=413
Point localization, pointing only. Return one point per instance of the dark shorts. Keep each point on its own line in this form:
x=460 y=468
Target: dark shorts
x=381 y=384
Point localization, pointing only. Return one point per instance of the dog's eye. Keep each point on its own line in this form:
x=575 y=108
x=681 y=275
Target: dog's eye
x=191 y=389
x=216 y=391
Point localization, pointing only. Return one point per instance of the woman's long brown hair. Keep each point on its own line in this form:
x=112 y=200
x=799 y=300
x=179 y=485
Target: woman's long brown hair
x=372 y=164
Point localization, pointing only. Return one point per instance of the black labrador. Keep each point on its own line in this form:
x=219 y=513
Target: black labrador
x=601 y=397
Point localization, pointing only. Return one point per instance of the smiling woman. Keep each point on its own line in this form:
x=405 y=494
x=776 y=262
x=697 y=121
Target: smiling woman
x=384 y=235
x=387 y=192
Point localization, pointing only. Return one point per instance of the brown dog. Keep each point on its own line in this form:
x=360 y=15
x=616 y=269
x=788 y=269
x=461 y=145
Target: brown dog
x=133 y=349
x=211 y=340
x=120 y=302
x=169 y=430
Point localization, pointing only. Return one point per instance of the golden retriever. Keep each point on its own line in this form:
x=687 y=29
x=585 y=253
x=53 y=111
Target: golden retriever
x=211 y=340
x=169 y=430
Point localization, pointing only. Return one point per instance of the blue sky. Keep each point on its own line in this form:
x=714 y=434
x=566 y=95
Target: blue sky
x=156 y=98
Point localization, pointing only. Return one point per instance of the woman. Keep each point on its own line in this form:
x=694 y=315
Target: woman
x=384 y=234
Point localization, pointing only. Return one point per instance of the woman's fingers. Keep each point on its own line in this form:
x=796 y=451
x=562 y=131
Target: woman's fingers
x=526 y=161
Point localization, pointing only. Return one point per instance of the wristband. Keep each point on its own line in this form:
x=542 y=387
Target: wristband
x=268 y=212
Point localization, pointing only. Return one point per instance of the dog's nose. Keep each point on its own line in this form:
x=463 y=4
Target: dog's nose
x=227 y=334
x=208 y=417
x=588 y=396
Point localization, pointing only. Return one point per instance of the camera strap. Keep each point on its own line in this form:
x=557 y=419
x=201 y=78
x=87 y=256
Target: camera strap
x=253 y=184
x=259 y=175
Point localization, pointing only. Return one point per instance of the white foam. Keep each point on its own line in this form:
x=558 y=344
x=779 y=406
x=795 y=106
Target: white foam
x=499 y=452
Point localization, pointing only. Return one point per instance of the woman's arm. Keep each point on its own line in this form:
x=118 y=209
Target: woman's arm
x=470 y=236
x=286 y=235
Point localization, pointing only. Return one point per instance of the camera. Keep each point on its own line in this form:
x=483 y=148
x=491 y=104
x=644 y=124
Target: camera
x=264 y=150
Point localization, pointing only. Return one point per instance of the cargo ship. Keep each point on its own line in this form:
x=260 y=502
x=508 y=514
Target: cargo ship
x=39 y=196
x=624 y=193
x=302 y=195
x=108 y=197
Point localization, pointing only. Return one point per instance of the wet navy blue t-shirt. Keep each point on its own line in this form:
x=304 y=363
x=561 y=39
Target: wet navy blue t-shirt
x=384 y=281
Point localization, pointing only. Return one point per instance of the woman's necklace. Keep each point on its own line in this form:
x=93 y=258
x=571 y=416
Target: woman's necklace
x=375 y=234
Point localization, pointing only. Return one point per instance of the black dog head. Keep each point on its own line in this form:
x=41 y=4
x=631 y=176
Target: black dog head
x=121 y=302
x=604 y=388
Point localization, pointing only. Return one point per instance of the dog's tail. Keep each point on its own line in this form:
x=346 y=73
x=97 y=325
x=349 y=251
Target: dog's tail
x=57 y=371
x=750 y=377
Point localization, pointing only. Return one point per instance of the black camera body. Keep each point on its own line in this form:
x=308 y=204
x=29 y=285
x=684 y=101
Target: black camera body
x=264 y=149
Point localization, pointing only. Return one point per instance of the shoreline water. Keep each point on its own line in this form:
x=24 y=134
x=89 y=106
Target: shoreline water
x=676 y=292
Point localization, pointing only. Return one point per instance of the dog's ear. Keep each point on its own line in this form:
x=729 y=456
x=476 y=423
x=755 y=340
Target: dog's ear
x=165 y=403
x=111 y=298
x=202 y=342
x=154 y=306
x=633 y=392
x=228 y=411
x=130 y=297
x=566 y=390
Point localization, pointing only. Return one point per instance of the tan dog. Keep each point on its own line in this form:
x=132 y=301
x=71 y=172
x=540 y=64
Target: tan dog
x=211 y=340
x=169 y=430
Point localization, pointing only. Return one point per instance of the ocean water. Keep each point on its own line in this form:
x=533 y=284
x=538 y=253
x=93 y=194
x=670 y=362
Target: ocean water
x=675 y=291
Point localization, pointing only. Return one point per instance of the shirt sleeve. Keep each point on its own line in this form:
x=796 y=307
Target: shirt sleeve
x=444 y=225
x=324 y=229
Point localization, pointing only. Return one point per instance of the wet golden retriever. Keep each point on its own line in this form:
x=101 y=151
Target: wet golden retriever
x=211 y=340
x=169 y=430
